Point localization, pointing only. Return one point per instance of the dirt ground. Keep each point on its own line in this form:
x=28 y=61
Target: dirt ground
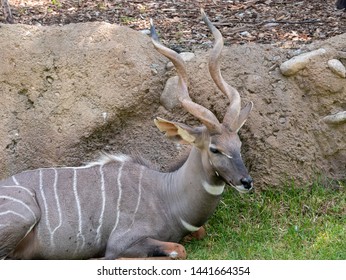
x=283 y=23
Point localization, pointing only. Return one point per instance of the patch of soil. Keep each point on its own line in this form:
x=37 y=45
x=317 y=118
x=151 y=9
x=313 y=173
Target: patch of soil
x=283 y=23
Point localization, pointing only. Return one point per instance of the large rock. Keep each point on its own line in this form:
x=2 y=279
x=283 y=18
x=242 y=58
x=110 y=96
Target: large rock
x=68 y=92
x=62 y=85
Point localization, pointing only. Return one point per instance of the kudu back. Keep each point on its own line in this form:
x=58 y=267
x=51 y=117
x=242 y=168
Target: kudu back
x=118 y=207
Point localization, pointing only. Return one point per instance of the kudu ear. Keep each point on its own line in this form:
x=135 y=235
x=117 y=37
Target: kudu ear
x=177 y=132
x=244 y=114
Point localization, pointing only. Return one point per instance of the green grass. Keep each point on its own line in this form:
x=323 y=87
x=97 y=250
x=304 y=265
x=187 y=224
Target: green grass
x=288 y=223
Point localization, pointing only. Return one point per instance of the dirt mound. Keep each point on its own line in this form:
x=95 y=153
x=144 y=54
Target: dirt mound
x=68 y=92
x=60 y=85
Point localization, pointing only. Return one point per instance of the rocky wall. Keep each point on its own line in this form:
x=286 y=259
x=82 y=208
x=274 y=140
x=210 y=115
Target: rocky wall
x=68 y=92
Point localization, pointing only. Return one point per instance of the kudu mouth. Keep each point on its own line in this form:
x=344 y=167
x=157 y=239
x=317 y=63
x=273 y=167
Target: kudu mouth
x=245 y=185
x=242 y=188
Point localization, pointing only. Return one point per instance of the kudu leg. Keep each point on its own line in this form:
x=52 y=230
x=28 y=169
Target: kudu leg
x=197 y=235
x=148 y=248
x=19 y=212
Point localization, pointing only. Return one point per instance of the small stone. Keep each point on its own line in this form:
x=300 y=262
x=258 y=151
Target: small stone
x=169 y=98
x=282 y=120
x=145 y=31
x=245 y=34
x=299 y=62
x=272 y=141
x=153 y=68
x=341 y=54
x=337 y=67
x=202 y=65
x=271 y=25
x=335 y=119
x=104 y=116
x=186 y=56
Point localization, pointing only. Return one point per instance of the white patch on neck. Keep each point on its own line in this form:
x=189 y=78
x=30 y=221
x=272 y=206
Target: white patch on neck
x=188 y=226
x=213 y=190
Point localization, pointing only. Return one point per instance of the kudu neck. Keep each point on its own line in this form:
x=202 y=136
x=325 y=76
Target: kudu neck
x=186 y=191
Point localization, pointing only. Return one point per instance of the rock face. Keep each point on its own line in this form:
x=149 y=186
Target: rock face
x=61 y=86
x=68 y=92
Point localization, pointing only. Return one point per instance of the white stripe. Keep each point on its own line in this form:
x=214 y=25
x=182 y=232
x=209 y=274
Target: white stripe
x=213 y=190
x=44 y=201
x=57 y=205
x=106 y=158
x=15 y=180
x=119 y=196
x=188 y=226
x=20 y=202
x=138 y=198
x=21 y=187
x=75 y=192
x=139 y=192
x=103 y=195
x=14 y=213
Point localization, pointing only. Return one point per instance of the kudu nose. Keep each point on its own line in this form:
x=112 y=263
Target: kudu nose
x=247 y=182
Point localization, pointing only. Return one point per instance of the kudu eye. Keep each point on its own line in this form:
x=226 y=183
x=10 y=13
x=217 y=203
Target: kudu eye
x=214 y=150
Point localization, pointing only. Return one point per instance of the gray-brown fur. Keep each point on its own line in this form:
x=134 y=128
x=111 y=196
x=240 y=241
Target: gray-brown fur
x=65 y=206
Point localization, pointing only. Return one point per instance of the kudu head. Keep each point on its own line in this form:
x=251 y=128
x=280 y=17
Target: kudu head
x=219 y=143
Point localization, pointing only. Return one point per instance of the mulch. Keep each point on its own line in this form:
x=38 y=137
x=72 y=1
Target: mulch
x=282 y=23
